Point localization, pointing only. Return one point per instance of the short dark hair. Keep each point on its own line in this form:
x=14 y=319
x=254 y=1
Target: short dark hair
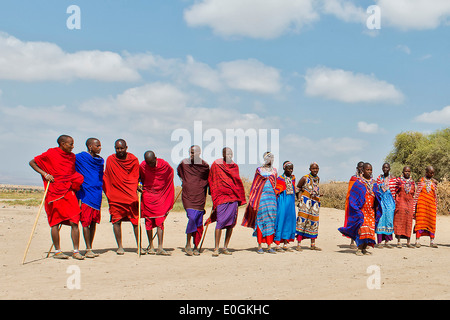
x=62 y=138
x=366 y=164
x=90 y=141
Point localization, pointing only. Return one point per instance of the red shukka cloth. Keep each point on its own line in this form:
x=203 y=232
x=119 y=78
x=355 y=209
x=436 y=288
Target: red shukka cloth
x=225 y=183
x=120 y=182
x=61 y=203
x=159 y=190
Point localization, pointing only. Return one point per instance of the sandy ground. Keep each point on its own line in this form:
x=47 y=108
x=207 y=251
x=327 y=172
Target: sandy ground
x=334 y=273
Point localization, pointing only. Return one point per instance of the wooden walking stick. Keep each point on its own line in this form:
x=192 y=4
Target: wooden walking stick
x=139 y=225
x=35 y=222
x=204 y=234
x=176 y=198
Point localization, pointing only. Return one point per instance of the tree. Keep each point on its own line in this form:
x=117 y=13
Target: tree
x=418 y=151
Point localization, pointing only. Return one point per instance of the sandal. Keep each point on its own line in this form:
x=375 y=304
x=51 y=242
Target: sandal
x=151 y=250
x=260 y=251
x=162 y=252
x=60 y=255
x=189 y=251
x=315 y=248
x=78 y=256
x=215 y=253
x=90 y=254
x=271 y=251
x=225 y=251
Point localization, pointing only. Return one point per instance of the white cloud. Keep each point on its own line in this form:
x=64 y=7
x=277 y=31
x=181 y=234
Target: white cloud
x=145 y=116
x=328 y=147
x=154 y=97
x=44 y=61
x=401 y=14
x=163 y=107
x=437 y=116
x=41 y=61
x=346 y=86
x=251 y=18
x=202 y=75
x=404 y=48
x=250 y=75
x=269 y=19
x=414 y=14
x=345 y=11
x=369 y=127
x=425 y=57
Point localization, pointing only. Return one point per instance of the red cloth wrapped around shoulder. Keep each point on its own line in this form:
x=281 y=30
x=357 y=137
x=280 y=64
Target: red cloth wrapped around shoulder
x=61 y=165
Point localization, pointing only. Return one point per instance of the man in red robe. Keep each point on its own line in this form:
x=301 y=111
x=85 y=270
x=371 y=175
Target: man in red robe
x=227 y=193
x=57 y=167
x=156 y=176
x=120 y=184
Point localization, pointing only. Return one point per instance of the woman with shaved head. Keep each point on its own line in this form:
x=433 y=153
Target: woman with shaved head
x=364 y=211
x=261 y=211
x=426 y=207
x=404 y=207
x=308 y=207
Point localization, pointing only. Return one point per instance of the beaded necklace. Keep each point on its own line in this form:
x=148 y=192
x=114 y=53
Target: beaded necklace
x=313 y=185
x=407 y=183
x=428 y=184
x=368 y=184
x=385 y=182
x=289 y=187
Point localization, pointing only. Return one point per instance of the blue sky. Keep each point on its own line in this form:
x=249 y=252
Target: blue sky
x=336 y=91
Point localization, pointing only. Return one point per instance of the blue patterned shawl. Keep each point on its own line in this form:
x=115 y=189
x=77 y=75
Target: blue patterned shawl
x=356 y=201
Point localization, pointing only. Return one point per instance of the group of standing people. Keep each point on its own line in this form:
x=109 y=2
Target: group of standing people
x=74 y=186
x=377 y=209
x=271 y=210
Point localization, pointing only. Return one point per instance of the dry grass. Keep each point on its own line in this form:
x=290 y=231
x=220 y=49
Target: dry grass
x=333 y=196
x=21 y=195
